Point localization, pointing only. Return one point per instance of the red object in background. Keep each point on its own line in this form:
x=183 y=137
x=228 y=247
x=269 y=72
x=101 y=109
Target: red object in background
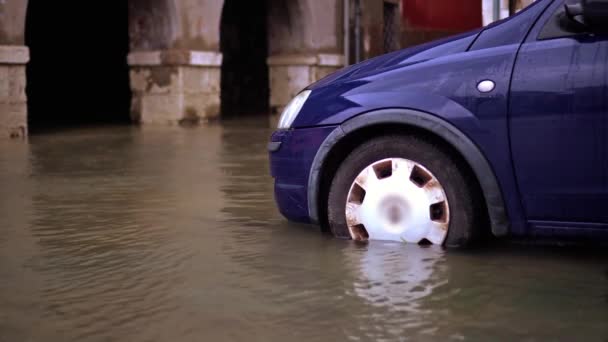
x=449 y=15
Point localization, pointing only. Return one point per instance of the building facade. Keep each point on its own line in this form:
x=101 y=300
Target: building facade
x=187 y=61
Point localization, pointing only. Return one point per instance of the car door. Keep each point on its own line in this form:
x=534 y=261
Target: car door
x=558 y=124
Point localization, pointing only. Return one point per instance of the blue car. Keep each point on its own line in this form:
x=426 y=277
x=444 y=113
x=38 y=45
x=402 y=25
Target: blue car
x=503 y=130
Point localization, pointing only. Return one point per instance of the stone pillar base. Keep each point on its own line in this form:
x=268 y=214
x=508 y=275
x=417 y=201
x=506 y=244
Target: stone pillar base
x=174 y=87
x=289 y=74
x=13 y=101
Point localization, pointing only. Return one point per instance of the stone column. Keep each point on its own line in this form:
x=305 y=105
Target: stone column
x=174 y=86
x=13 y=101
x=174 y=60
x=305 y=44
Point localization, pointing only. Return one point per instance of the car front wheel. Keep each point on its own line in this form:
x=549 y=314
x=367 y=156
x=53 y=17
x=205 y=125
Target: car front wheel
x=403 y=188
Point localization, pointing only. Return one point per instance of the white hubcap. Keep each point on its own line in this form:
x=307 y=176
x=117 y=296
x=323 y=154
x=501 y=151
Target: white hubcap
x=397 y=199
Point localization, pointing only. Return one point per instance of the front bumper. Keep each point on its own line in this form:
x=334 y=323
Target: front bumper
x=291 y=155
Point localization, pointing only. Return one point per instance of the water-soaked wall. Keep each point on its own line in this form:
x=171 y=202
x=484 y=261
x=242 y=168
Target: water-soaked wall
x=175 y=40
x=174 y=57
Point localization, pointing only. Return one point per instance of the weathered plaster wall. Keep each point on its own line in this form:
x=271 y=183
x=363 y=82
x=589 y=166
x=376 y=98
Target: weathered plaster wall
x=174 y=87
x=174 y=94
x=174 y=55
x=304 y=44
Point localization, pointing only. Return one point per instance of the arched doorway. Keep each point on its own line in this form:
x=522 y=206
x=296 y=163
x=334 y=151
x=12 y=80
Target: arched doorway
x=78 y=71
x=244 y=47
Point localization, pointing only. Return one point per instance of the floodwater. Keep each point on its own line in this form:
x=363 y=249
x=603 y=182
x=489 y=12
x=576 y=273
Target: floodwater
x=171 y=234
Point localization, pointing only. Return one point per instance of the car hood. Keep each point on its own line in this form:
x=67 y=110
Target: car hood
x=401 y=58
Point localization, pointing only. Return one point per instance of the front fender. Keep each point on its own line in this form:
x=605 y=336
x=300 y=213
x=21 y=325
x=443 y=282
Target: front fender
x=436 y=125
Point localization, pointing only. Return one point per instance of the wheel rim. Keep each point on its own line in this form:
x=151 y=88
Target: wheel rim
x=397 y=199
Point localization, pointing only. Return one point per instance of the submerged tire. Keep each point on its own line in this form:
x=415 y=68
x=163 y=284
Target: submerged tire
x=406 y=188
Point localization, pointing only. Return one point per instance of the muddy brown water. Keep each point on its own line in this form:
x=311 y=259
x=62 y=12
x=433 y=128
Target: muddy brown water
x=171 y=234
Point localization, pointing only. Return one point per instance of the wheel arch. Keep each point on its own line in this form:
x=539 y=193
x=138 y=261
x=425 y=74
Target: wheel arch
x=365 y=126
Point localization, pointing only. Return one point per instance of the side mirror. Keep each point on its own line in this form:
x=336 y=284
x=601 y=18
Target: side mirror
x=591 y=13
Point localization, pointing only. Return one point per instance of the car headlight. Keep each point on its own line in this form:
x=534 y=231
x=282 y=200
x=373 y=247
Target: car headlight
x=293 y=108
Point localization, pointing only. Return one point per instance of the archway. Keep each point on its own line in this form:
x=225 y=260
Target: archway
x=78 y=71
x=244 y=47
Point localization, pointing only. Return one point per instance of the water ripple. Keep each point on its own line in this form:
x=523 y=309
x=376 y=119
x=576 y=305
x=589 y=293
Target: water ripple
x=166 y=234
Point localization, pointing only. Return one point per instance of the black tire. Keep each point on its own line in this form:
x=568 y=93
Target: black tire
x=466 y=209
